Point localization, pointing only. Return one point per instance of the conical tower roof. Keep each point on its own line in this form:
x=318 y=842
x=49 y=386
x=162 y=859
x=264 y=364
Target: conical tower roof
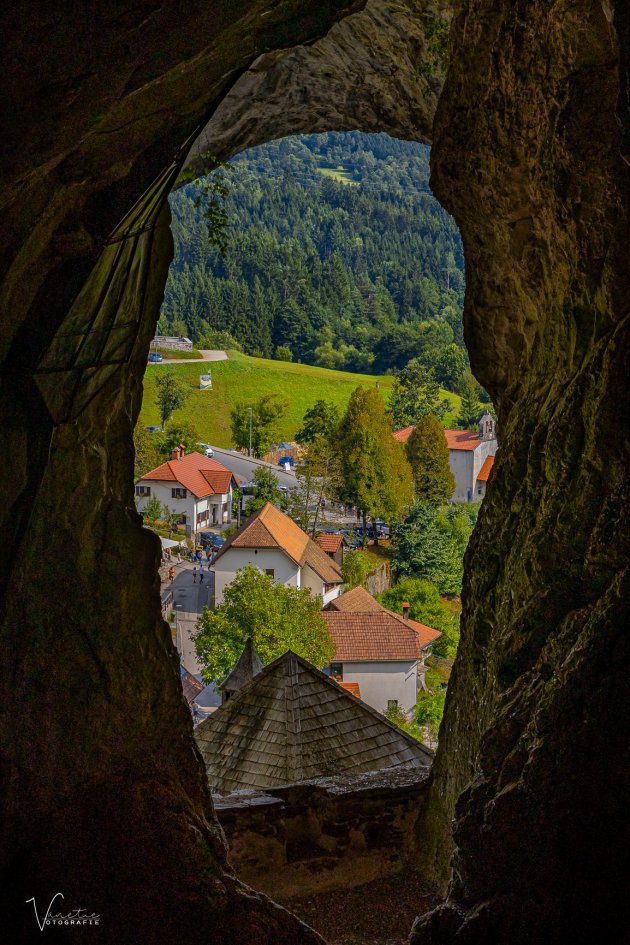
x=246 y=667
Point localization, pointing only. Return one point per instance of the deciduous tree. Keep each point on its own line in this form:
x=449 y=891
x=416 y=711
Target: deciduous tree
x=278 y=618
x=266 y=415
x=415 y=393
x=171 y=393
x=267 y=490
x=321 y=420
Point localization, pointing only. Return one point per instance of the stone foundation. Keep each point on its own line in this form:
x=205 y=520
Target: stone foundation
x=314 y=837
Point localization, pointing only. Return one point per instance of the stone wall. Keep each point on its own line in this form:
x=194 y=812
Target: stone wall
x=308 y=838
x=380 y=579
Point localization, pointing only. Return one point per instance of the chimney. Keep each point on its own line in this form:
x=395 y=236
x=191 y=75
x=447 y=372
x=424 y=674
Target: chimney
x=175 y=453
x=405 y=610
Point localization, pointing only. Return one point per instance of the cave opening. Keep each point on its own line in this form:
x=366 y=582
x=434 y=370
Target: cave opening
x=103 y=795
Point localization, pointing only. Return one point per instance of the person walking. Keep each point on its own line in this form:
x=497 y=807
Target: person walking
x=195 y=574
x=201 y=573
x=171 y=574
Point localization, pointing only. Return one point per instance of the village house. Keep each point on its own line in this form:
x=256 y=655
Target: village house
x=270 y=541
x=471 y=457
x=289 y=723
x=380 y=652
x=334 y=544
x=195 y=487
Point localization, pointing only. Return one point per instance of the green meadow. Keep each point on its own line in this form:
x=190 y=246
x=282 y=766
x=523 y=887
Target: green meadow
x=245 y=379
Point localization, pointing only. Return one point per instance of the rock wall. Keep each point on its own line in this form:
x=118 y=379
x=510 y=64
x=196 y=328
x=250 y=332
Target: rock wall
x=103 y=797
x=530 y=155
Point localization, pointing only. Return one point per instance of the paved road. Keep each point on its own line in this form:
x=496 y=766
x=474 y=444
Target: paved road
x=189 y=599
x=244 y=467
x=207 y=356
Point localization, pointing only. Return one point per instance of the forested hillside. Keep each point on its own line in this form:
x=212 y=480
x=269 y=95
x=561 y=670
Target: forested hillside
x=336 y=249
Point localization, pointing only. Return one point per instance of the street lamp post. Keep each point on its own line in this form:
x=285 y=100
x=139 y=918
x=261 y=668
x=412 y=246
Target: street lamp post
x=250 y=431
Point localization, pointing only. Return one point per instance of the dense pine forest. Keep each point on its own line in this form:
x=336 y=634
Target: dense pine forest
x=336 y=254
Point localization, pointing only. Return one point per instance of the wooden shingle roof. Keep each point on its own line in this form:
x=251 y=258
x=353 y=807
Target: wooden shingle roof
x=246 y=667
x=292 y=723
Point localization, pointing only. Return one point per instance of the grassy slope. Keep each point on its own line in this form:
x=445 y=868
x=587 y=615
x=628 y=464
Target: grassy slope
x=246 y=379
x=344 y=177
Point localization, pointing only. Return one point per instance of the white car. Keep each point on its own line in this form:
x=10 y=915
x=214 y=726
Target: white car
x=207 y=449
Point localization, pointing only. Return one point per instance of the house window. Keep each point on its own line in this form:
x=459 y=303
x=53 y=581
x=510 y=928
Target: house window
x=179 y=493
x=392 y=705
x=270 y=572
x=143 y=490
x=202 y=517
x=336 y=671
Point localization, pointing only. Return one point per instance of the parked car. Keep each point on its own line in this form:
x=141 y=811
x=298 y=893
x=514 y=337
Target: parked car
x=152 y=429
x=209 y=539
x=207 y=449
x=286 y=460
x=155 y=357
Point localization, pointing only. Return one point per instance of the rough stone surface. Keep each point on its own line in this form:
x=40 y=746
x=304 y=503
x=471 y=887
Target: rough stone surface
x=103 y=796
x=530 y=155
x=363 y=74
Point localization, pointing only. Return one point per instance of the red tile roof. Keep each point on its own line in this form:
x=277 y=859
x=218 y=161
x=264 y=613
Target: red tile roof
x=199 y=474
x=455 y=439
x=404 y=434
x=362 y=629
x=462 y=439
x=485 y=470
x=352 y=687
x=271 y=528
x=360 y=637
x=426 y=634
x=329 y=542
x=357 y=601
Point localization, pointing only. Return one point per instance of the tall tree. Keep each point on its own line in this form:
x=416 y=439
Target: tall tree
x=278 y=618
x=321 y=420
x=428 y=455
x=470 y=408
x=266 y=415
x=146 y=452
x=415 y=393
x=171 y=393
x=426 y=548
x=374 y=470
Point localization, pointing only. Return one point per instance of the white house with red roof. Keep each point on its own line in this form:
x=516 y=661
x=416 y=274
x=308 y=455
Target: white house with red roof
x=270 y=541
x=378 y=653
x=192 y=485
x=470 y=455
